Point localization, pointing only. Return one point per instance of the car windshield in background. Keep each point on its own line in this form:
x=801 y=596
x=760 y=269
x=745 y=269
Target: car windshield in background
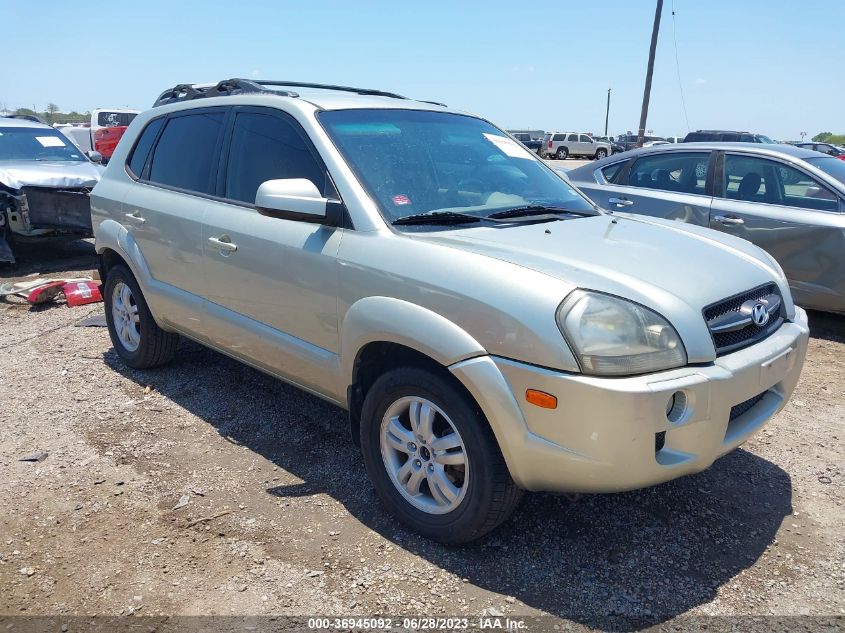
x=415 y=162
x=765 y=139
x=36 y=144
x=830 y=165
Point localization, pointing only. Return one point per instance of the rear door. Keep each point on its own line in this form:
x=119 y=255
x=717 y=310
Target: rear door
x=671 y=185
x=271 y=282
x=792 y=215
x=163 y=209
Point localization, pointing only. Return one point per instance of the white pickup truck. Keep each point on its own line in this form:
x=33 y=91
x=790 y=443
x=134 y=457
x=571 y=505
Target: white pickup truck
x=103 y=132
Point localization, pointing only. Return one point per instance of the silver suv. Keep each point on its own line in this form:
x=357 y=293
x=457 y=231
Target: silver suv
x=488 y=328
x=562 y=145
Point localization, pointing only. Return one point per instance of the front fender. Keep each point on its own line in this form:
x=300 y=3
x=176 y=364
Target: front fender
x=389 y=320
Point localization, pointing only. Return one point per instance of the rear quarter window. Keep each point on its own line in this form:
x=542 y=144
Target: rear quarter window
x=142 y=148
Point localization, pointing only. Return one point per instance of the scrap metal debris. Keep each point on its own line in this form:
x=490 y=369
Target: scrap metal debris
x=34 y=457
x=77 y=292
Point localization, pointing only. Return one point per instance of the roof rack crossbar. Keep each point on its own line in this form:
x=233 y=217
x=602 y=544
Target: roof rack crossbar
x=301 y=84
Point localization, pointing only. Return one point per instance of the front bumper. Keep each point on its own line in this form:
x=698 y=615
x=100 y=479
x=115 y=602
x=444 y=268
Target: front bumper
x=606 y=433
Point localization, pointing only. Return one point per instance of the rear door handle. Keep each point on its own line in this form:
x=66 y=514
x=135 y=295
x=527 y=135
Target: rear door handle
x=620 y=202
x=729 y=220
x=223 y=243
x=135 y=218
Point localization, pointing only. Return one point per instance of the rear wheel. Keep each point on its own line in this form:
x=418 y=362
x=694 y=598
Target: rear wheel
x=432 y=457
x=562 y=153
x=135 y=335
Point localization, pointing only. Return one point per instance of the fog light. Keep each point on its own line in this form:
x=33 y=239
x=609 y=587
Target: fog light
x=676 y=407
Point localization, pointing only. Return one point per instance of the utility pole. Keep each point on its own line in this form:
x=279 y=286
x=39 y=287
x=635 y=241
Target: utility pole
x=607 y=114
x=649 y=72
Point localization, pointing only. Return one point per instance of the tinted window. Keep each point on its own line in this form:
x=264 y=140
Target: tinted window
x=142 y=147
x=266 y=147
x=753 y=179
x=830 y=165
x=585 y=139
x=184 y=154
x=684 y=172
x=610 y=171
x=573 y=138
x=111 y=119
x=522 y=137
x=559 y=137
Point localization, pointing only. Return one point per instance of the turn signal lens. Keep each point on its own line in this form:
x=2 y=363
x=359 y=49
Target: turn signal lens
x=541 y=399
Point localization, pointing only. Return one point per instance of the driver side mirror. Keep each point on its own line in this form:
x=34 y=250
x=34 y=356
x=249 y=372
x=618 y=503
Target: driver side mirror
x=296 y=199
x=94 y=156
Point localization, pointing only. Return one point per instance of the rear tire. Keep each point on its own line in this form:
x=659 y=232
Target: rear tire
x=135 y=335
x=437 y=467
x=562 y=153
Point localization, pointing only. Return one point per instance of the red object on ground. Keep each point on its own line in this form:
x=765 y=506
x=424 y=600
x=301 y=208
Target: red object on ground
x=44 y=293
x=106 y=139
x=78 y=293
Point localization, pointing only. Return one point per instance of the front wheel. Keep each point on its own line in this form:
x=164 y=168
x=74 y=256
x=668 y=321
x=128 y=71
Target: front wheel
x=601 y=153
x=432 y=457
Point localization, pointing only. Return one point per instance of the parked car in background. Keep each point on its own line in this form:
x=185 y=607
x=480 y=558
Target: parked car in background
x=824 y=148
x=488 y=328
x=726 y=136
x=104 y=131
x=629 y=141
x=45 y=184
x=533 y=144
x=562 y=145
x=787 y=200
x=675 y=139
x=655 y=143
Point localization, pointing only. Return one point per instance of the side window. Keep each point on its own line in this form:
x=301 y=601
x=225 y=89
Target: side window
x=573 y=138
x=142 y=147
x=766 y=181
x=184 y=155
x=611 y=171
x=267 y=147
x=683 y=172
x=559 y=137
x=585 y=139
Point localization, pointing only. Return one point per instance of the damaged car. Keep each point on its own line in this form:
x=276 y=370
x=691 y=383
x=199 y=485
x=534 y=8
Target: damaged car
x=45 y=185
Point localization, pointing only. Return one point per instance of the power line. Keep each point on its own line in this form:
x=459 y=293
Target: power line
x=678 y=67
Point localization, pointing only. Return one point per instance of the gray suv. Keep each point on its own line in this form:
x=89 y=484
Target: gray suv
x=487 y=327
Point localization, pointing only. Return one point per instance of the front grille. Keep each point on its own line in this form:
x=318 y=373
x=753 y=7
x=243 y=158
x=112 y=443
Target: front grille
x=743 y=407
x=731 y=341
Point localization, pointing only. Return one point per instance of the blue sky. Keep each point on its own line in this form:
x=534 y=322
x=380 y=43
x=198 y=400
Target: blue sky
x=768 y=66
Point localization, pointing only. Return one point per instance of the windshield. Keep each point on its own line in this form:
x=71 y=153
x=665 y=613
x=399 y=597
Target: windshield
x=830 y=165
x=20 y=143
x=762 y=138
x=415 y=162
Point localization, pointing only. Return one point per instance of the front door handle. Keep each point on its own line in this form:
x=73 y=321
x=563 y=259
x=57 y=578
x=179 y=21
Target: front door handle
x=729 y=220
x=135 y=217
x=223 y=243
x=620 y=202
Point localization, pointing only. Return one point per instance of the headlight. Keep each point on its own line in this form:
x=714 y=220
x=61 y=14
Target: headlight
x=615 y=337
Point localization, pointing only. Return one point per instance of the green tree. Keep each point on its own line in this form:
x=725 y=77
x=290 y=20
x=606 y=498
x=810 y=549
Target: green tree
x=25 y=111
x=821 y=137
x=52 y=108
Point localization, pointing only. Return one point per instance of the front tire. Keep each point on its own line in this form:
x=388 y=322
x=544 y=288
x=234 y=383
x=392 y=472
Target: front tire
x=135 y=335
x=432 y=457
x=601 y=153
x=562 y=153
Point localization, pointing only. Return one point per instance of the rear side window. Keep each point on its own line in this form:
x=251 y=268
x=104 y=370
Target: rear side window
x=559 y=137
x=266 y=147
x=142 y=147
x=682 y=172
x=573 y=138
x=184 y=155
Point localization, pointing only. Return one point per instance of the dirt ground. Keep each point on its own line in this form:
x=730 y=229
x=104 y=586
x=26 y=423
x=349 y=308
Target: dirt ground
x=292 y=525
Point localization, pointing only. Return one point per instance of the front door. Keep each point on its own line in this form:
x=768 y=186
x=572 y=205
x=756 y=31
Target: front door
x=271 y=283
x=790 y=214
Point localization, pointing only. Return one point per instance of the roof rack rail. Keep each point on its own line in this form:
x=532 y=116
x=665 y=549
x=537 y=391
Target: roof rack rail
x=188 y=92
x=227 y=87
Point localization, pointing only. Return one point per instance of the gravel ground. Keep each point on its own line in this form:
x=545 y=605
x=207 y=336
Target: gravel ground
x=277 y=515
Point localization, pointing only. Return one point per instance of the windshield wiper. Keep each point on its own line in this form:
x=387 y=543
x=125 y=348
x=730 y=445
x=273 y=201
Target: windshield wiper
x=534 y=210
x=438 y=217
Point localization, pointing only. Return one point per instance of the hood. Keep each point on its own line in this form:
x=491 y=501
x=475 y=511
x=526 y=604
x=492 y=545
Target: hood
x=15 y=174
x=675 y=269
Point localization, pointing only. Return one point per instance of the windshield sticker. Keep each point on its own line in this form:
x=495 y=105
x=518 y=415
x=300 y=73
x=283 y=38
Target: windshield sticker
x=401 y=200
x=508 y=146
x=49 y=141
